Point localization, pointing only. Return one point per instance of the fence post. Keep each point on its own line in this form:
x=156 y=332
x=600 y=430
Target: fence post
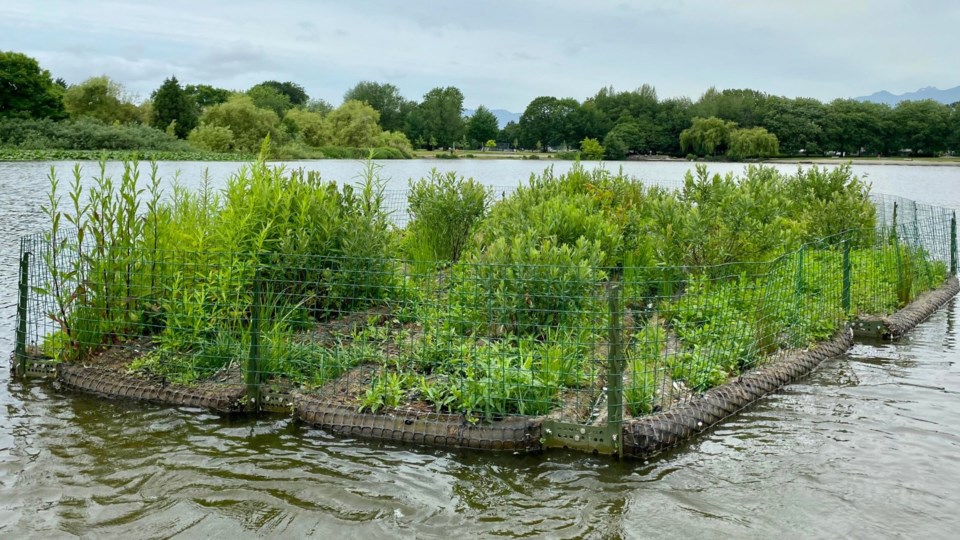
x=253 y=375
x=21 y=346
x=845 y=291
x=615 y=364
x=799 y=284
x=916 y=226
x=953 y=244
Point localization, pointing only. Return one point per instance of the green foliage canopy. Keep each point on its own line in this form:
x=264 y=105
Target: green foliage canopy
x=707 y=136
x=385 y=98
x=248 y=123
x=482 y=126
x=439 y=117
x=172 y=104
x=354 y=124
x=268 y=97
x=100 y=98
x=295 y=93
x=26 y=90
x=591 y=149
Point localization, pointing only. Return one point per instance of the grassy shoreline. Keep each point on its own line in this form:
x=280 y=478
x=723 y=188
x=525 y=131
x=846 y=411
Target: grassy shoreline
x=19 y=155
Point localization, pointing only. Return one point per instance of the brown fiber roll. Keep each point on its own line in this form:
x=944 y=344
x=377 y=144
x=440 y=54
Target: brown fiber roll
x=514 y=434
x=114 y=384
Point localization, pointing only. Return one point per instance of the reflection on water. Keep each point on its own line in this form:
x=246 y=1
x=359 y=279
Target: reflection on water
x=867 y=446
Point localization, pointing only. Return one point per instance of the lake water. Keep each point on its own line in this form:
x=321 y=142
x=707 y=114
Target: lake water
x=868 y=446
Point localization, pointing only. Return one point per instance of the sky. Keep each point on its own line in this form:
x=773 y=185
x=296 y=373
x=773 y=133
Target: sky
x=499 y=53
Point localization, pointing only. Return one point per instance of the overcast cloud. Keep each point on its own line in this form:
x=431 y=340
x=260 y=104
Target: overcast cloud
x=499 y=53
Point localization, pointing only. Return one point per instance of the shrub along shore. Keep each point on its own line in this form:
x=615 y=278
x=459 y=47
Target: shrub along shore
x=473 y=305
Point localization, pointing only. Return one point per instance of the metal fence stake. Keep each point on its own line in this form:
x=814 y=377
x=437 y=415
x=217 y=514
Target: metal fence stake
x=953 y=244
x=253 y=375
x=615 y=365
x=21 y=347
x=845 y=291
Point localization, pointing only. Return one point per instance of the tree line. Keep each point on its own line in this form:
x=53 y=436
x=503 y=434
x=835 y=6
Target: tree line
x=734 y=123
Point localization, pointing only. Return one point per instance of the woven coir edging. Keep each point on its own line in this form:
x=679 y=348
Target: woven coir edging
x=651 y=434
x=920 y=309
x=516 y=434
x=115 y=384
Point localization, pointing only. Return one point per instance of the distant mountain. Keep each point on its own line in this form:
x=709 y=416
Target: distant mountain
x=503 y=116
x=948 y=96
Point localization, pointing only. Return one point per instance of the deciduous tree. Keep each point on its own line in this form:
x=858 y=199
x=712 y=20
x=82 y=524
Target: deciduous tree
x=752 y=142
x=482 y=126
x=26 y=90
x=440 y=116
x=707 y=136
x=248 y=123
x=100 y=98
x=591 y=149
x=385 y=98
x=268 y=97
x=309 y=126
x=354 y=124
x=295 y=93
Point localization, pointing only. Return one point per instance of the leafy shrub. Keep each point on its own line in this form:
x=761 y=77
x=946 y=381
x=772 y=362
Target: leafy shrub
x=394 y=139
x=714 y=220
x=248 y=123
x=8 y=154
x=591 y=149
x=212 y=138
x=564 y=209
x=570 y=155
x=829 y=202
x=342 y=152
x=85 y=134
x=444 y=208
x=527 y=285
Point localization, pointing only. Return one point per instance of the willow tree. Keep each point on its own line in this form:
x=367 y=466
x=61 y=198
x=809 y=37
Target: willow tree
x=707 y=136
x=753 y=142
x=101 y=98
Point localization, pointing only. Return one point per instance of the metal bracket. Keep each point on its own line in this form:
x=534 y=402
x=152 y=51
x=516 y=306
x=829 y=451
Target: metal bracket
x=596 y=439
x=870 y=328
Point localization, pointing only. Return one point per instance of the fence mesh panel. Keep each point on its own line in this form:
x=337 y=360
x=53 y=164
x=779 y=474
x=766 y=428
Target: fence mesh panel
x=478 y=341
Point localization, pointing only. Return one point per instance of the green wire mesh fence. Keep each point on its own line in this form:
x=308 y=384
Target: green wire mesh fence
x=577 y=344
x=488 y=339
